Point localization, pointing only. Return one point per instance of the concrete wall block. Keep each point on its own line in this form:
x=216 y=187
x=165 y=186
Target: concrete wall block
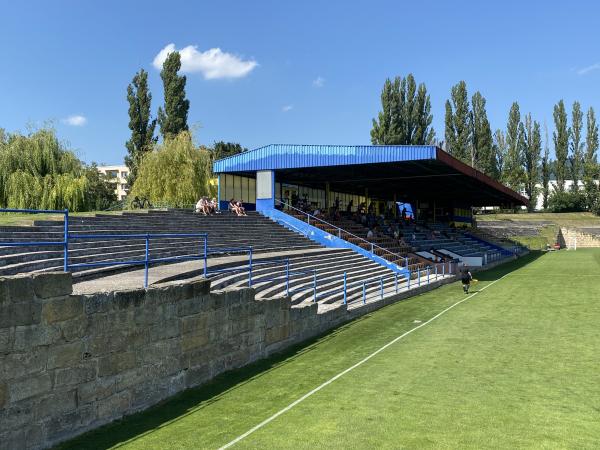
x=115 y=406
x=17 y=365
x=165 y=330
x=7 y=337
x=13 y=314
x=198 y=339
x=29 y=386
x=16 y=415
x=97 y=389
x=200 y=288
x=55 y=404
x=98 y=303
x=56 y=284
x=131 y=298
x=197 y=375
x=74 y=328
x=115 y=362
x=148 y=394
x=3 y=395
x=62 y=308
x=61 y=426
x=194 y=323
x=24 y=438
x=103 y=344
x=16 y=289
x=72 y=376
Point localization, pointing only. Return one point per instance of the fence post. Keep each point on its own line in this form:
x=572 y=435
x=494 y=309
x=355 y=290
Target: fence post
x=249 y=266
x=364 y=295
x=340 y=233
x=409 y=277
x=396 y=282
x=345 y=293
x=66 y=242
x=146 y=261
x=419 y=278
x=205 y=256
x=436 y=272
x=315 y=285
x=427 y=275
x=443 y=269
x=381 y=287
x=371 y=247
x=287 y=277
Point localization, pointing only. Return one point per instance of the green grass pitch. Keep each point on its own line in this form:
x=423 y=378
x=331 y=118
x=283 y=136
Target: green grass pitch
x=515 y=366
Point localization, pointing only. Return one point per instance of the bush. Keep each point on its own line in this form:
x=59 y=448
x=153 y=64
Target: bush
x=567 y=202
x=595 y=204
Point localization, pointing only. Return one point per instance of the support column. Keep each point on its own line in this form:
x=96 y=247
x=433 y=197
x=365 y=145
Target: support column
x=219 y=191
x=265 y=190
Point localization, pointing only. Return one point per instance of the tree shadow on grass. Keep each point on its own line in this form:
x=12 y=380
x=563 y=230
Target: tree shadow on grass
x=194 y=399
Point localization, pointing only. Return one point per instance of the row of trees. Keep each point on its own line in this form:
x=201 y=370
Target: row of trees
x=513 y=155
x=37 y=171
x=176 y=172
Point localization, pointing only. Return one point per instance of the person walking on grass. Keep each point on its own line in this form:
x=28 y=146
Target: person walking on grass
x=465 y=277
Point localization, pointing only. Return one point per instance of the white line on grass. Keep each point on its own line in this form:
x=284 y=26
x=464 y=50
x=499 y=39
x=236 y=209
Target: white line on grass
x=361 y=362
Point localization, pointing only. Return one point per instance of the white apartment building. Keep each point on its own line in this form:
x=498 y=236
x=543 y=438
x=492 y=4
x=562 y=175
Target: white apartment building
x=118 y=175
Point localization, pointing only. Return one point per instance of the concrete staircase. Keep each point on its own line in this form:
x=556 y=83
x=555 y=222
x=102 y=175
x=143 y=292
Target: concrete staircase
x=224 y=231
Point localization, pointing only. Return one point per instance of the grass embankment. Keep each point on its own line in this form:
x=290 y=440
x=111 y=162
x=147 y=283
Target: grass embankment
x=548 y=231
x=513 y=367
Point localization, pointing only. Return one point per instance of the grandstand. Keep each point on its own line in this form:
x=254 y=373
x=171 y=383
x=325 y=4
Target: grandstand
x=328 y=257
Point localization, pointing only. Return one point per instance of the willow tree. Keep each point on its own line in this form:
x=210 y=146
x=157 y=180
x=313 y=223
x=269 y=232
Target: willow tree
x=37 y=171
x=176 y=173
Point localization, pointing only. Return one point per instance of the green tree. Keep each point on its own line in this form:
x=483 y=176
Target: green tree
x=458 y=129
x=405 y=117
x=514 y=174
x=177 y=173
x=546 y=169
x=37 y=171
x=100 y=193
x=224 y=149
x=576 y=144
x=500 y=152
x=533 y=150
x=590 y=163
x=482 y=147
x=140 y=123
x=173 y=118
x=561 y=144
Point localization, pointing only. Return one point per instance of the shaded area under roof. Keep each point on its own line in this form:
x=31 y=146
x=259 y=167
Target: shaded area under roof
x=411 y=172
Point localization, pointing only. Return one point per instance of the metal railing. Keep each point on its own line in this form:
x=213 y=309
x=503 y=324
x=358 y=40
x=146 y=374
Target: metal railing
x=341 y=231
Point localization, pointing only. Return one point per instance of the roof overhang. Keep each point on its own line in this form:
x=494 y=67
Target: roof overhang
x=409 y=172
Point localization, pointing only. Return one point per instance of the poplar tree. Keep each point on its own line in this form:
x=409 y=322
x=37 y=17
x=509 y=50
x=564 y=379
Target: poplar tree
x=405 y=117
x=141 y=126
x=533 y=150
x=576 y=145
x=546 y=170
x=515 y=141
x=173 y=118
x=482 y=146
x=590 y=164
x=500 y=152
x=458 y=127
x=561 y=144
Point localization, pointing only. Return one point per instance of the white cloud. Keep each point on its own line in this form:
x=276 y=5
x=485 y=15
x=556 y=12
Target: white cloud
x=75 y=121
x=318 y=82
x=588 y=69
x=212 y=63
x=287 y=108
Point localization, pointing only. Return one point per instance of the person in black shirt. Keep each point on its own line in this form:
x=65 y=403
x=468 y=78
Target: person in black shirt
x=465 y=278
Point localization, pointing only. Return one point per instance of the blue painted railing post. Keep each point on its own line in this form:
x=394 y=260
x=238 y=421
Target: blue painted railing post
x=427 y=275
x=381 y=287
x=436 y=272
x=409 y=277
x=419 y=278
x=287 y=277
x=364 y=293
x=250 y=267
x=66 y=242
x=345 y=292
x=396 y=282
x=315 y=286
x=146 y=261
x=443 y=269
x=205 y=256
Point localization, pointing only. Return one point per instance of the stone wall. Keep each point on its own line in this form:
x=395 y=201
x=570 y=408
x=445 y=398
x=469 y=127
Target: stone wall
x=70 y=363
x=568 y=237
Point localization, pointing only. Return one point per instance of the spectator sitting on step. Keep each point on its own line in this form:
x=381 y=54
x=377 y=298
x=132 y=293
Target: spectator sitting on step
x=349 y=207
x=370 y=233
x=198 y=208
x=241 y=211
x=233 y=206
x=214 y=206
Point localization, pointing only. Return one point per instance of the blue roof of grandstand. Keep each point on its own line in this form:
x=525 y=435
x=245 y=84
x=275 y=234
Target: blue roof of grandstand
x=292 y=156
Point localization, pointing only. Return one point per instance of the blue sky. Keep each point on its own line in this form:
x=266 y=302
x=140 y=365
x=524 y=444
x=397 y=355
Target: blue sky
x=73 y=58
